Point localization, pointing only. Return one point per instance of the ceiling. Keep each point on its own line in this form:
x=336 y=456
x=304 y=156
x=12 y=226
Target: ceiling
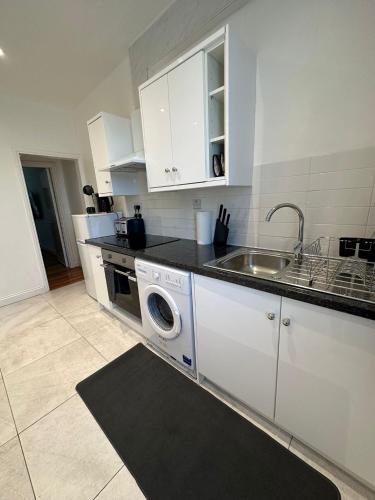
x=57 y=51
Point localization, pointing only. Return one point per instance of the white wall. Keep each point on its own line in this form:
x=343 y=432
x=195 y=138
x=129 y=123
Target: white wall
x=72 y=184
x=314 y=116
x=315 y=125
x=316 y=75
x=113 y=95
x=31 y=128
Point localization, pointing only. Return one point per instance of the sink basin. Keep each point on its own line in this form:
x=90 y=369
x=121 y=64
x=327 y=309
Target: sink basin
x=253 y=262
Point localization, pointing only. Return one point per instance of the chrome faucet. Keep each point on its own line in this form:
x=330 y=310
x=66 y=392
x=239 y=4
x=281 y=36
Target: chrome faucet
x=298 y=247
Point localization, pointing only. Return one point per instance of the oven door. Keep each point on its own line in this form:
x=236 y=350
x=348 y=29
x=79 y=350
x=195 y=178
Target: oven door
x=123 y=288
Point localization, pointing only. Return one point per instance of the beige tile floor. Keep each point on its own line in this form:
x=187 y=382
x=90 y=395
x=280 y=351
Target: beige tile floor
x=50 y=446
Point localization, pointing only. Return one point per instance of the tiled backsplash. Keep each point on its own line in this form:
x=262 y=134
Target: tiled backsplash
x=335 y=192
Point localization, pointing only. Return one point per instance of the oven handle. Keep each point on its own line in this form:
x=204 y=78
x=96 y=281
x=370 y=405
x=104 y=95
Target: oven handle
x=131 y=278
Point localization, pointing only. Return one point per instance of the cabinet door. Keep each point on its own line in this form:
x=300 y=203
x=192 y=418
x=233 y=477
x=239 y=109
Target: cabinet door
x=100 y=156
x=325 y=389
x=187 y=115
x=157 y=132
x=99 y=276
x=88 y=274
x=237 y=343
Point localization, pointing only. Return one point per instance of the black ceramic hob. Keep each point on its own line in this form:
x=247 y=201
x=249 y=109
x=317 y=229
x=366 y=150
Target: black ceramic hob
x=136 y=242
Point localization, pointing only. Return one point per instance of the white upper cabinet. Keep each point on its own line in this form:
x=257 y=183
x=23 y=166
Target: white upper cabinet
x=187 y=117
x=157 y=133
x=199 y=108
x=325 y=388
x=111 y=140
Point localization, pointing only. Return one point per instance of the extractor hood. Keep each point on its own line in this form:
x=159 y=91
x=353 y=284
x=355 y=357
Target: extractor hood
x=131 y=163
x=135 y=161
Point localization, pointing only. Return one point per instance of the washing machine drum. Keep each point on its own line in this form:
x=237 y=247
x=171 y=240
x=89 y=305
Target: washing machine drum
x=162 y=312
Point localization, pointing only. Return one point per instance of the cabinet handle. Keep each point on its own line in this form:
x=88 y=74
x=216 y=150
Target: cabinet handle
x=98 y=256
x=270 y=316
x=108 y=182
x=174 y=169
x=167 y=170
x=286 y=321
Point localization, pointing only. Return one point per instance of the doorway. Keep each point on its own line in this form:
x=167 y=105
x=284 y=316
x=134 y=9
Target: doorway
x=54 y=193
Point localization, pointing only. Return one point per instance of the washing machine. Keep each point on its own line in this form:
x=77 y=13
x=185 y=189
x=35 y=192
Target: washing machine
x=167 y=311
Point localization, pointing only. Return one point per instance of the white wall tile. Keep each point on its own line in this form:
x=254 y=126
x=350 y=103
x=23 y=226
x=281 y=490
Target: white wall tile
x=359 y=197
x=284 y=169
x=281 y=184
x=315 y=230
x=338 y=215
x=371 y=217
x=340 y=180
x=282 y=229
x=269 y=200
x=335 y=199
x=346 y=160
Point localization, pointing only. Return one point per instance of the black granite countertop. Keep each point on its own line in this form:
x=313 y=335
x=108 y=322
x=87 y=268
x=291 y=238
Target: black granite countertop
x=188 y=255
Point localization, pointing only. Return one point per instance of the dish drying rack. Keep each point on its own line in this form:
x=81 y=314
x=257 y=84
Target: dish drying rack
x=322 y=268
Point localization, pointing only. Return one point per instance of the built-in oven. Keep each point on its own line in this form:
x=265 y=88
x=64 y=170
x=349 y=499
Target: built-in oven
x=121 y=281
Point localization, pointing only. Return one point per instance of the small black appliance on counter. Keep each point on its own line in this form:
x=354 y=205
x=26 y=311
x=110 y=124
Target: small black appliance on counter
x=104 y=203
x=130 y=227
x=101 y=203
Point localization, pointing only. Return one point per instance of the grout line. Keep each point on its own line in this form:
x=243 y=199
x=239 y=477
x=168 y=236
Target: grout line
x=106 y=484
x=42 y=357
x=46 y=414
x=18 y=435
x=87 y=340
x=369 y=208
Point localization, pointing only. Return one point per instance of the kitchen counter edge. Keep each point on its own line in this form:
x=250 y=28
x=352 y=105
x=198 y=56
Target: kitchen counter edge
x=189 y=256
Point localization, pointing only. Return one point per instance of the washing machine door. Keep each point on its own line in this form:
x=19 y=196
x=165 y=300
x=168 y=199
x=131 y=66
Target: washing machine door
x=162 y=312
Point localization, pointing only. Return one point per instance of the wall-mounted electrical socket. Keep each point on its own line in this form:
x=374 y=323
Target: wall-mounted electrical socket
x=197 y=203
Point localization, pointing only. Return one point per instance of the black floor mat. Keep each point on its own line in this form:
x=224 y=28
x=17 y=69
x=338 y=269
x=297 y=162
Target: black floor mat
x=182 y=443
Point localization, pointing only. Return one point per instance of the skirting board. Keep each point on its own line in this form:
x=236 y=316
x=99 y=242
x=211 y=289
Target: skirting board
x=5 y=301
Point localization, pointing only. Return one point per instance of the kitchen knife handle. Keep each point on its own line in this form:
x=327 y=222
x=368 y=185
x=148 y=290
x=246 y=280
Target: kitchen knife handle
x=228 y=217
x=224 y=214
x=220 y=211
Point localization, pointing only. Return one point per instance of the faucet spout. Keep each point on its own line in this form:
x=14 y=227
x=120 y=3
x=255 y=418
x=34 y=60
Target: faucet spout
x=299 y=246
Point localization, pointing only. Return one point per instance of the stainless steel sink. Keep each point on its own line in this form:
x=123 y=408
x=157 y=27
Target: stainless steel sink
x=260 y=263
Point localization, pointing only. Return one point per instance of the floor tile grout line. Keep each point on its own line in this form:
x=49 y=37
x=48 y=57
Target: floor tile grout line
x=112 y=478
x=92 y=345
x=8 y=440
x=44 y=356
x=18 y=436
x=48 y=413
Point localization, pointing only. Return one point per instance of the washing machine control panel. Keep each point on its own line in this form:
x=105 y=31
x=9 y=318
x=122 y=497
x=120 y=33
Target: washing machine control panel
x=156 y=276
x=174 y=280
x=164 y=276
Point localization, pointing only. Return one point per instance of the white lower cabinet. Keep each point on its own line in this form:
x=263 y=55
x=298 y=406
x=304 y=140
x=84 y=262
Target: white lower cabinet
x=98 y=275
x=88 y=274
x=237 y=331
x=326 y=384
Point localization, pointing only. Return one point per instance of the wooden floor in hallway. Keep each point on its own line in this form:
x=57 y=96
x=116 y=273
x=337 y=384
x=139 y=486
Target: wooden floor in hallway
x=59 y=275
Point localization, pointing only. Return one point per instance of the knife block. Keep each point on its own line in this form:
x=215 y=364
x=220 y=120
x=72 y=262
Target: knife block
x=221 y=233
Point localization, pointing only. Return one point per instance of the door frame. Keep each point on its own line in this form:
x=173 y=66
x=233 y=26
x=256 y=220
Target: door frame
x=51 y=155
